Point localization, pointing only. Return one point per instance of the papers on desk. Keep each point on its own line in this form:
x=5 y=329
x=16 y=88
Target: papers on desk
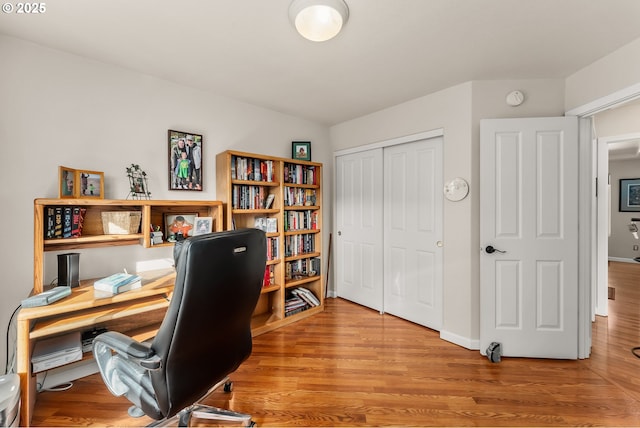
x=118 y=283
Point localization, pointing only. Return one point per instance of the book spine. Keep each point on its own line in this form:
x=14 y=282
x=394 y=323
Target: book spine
x=58 y=222
x=78 y=219
x=50 y=222
x=67 y=220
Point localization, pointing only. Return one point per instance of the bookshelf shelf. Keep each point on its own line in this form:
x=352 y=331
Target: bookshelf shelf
x=256 y=183
x=303 y=256
x=301 y=281
x=301 y=232
x=245 y=199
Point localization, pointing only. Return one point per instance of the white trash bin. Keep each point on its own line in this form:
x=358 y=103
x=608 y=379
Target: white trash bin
x=9 y=400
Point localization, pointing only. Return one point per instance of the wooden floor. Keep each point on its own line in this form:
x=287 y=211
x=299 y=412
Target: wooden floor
x=350 y=366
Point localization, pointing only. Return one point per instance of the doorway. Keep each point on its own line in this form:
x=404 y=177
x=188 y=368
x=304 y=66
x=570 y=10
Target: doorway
x=588 y=272
x=611 y=149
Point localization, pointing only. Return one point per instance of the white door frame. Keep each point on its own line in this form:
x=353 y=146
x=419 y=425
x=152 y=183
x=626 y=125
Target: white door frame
x=587 y=255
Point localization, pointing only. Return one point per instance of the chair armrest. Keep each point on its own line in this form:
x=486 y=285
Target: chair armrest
x=130 y=348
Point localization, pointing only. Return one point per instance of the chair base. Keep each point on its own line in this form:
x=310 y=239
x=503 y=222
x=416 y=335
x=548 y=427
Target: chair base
x=202 y=411
x=213 y=413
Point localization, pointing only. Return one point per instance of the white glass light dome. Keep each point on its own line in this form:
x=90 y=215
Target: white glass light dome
x=318 y=20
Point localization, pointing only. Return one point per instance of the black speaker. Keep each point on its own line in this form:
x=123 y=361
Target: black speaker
x=68 y=273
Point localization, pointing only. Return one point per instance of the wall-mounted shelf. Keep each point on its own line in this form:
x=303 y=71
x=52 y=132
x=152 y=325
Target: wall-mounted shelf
x=93 y=236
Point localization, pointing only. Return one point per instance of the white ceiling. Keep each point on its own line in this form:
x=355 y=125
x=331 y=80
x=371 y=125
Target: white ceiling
x=390 y=51
x=624 y=150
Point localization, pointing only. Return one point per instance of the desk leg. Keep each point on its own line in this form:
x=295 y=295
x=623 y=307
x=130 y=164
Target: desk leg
x=27 y=381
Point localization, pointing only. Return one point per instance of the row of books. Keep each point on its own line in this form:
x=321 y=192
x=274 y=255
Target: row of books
x=296 y=196
x=251 y=197
x=295 y=245
x=300 y=299
x=251 y=169
x=300 y=174
x=297 y=269
x=266 y=224
x=63 y=221
x=300 y=220
x=272 y=248
x=269 y=276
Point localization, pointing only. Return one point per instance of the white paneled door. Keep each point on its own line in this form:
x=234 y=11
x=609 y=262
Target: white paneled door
x=413 y=232
x=389 y=227
x=359 y=254
x=529 y=236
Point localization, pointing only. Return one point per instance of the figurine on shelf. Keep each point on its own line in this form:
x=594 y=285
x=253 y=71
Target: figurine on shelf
x=137 y=183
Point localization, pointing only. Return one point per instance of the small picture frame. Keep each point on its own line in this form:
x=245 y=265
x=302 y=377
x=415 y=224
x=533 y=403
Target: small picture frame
x=89 y=184
x=203 y=225
x=179 y=226
x=629 y=195
x=66 y=182
x=185 y=161
x=301 y=150
x=138 y=188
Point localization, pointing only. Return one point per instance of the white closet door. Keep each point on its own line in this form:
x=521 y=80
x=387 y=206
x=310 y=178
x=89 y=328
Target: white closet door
x=413 y=230
x=358 y=258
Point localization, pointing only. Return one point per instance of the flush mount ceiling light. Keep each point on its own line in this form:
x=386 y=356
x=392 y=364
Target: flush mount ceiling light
x=318 y=20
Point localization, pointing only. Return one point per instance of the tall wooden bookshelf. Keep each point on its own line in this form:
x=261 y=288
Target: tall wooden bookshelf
x=285 y=197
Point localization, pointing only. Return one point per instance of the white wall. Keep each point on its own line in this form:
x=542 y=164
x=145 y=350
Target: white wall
x=615 y=123
x=621 y=241
x=614 y=72
x=458 y=110
x=60 y=109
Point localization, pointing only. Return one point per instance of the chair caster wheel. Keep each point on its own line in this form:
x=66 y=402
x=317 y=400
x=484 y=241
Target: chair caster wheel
x=228 y=386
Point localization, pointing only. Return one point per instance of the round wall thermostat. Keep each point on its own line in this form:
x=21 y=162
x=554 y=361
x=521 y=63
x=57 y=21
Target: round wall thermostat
x=515 y=98
x=456 y=189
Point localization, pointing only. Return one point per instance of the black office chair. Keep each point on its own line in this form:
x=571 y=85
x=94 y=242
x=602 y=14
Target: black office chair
x=205 y=334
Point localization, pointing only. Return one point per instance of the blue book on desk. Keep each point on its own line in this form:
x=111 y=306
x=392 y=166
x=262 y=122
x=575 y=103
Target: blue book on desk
x=118 y=283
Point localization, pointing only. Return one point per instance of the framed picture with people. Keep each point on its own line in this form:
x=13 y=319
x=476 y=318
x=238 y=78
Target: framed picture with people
x=185 y=161
x=179 y=227
x=89 y=184
x=301 y=150
x=66 y=182
x=202 y=225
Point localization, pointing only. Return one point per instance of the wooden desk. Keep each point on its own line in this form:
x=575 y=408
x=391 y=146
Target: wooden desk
x=137 y=313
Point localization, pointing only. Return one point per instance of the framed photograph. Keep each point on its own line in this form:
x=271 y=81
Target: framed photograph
x=66 y=182
x=89 y=184
x=301 y=150
x=203 y=225
x=185 y=161
x=179 y=226
x=137 y=183
x=629 y=194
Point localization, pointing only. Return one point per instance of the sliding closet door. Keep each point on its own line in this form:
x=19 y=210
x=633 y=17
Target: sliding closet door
x=358 y=258
x=413 y=231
